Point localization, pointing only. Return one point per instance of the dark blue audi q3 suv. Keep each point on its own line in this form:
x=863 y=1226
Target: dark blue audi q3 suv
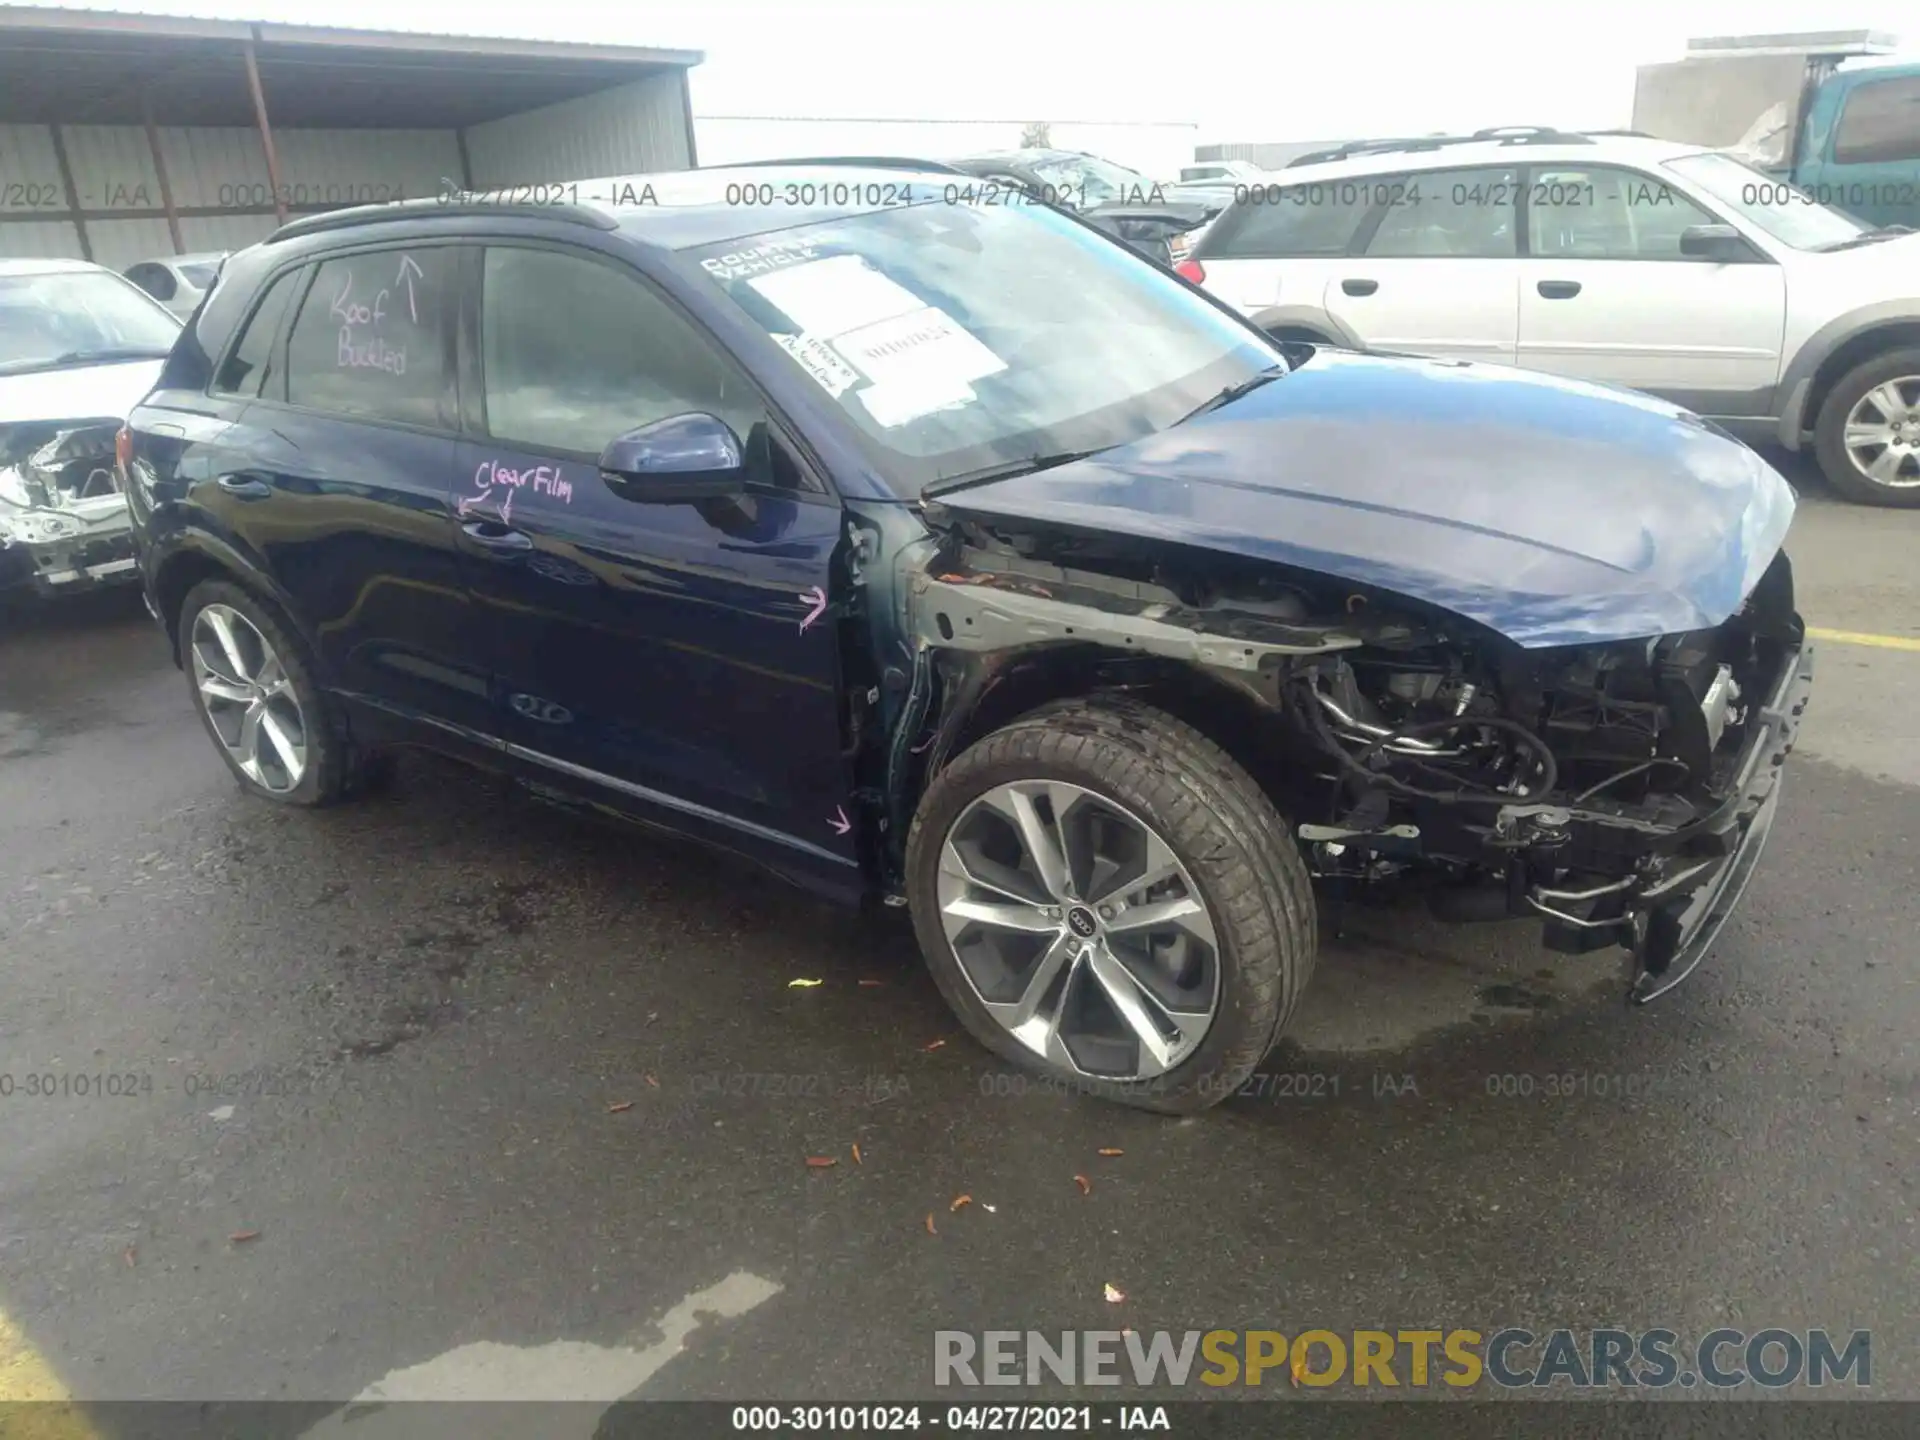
x=953 y=555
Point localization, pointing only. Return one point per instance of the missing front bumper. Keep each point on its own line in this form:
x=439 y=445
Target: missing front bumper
x=1676 y=938
x=65 y=566
x=1673 y=908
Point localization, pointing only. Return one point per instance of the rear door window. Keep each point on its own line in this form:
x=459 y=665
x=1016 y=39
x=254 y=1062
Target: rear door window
x=1464 y=214
x=1448 y=214
x=373 y=340
x=1276 y=221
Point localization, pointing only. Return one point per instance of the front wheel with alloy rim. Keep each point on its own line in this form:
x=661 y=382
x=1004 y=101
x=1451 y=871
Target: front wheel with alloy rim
x=258 y=699
x=1104 y=896
x=1867 y=436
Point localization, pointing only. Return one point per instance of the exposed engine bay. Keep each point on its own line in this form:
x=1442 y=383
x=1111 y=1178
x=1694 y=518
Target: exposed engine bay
x=63 y=521
x=1608 y=790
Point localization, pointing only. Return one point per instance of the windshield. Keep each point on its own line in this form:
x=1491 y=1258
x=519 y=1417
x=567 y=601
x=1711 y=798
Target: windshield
x=1785 y=212
x=956 y=338
x=1095 y=181
x=67 y=317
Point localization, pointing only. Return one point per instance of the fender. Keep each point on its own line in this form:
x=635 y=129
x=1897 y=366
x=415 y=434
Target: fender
x=1307 y=317
x=185 y=547
x=1796 y=384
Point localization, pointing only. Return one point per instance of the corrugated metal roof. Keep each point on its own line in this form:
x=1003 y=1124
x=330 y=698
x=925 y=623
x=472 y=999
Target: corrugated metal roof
x=50 y=17
x=641 y=126
x=95 y=66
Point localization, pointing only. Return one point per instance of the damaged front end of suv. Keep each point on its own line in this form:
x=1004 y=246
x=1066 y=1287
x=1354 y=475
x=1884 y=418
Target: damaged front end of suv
x=63 y=520
x=1620 y=791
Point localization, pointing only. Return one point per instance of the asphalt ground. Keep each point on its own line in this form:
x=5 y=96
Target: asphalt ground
x=505 y=1104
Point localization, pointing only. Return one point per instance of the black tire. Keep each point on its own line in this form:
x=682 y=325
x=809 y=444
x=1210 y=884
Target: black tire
x=1220 y=824
x=333 y=770
x=1829 y=445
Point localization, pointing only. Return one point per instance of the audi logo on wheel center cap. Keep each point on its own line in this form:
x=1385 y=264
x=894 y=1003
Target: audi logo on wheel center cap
x=1080 y=920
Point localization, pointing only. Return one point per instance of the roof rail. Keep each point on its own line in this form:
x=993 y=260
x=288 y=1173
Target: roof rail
x=858 y=162
x=1503 y=134
x=355 y=215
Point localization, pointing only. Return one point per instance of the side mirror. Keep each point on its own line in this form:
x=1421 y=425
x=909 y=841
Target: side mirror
x=682 y=458
x=1715 y=242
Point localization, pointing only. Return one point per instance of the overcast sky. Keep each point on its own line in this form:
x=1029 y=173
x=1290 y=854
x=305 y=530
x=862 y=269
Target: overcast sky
x=1278 y=70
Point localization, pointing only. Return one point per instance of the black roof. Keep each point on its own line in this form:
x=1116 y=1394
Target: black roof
x=674 y=209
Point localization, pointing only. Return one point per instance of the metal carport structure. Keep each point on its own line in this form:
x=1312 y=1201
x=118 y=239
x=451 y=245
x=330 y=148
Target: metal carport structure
x=124 y=137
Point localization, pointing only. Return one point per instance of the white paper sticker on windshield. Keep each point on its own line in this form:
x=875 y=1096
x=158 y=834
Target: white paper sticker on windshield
x=901 y=401
x=832 y=296
x=928 y=347
x=836 y=377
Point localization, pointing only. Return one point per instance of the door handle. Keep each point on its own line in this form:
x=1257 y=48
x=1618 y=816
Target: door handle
x=1359 y=287
x=245 y=487
x=1558 y=289
x=492 y=535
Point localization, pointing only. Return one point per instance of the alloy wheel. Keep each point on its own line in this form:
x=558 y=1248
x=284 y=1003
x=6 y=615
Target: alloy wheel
x=248 y=699
x=1079 y=930
x=1882 y=433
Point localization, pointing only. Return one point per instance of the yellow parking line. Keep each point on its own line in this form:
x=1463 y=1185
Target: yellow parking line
x=1864 y=637
x=34 y=1405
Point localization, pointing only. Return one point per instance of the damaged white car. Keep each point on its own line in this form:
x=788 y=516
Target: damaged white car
x=79 y=347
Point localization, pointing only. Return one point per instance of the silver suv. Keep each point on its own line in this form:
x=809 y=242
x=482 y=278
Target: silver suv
x=1605 y=257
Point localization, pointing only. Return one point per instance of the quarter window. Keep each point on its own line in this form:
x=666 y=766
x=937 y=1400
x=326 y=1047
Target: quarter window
x=1601 y=213
x=247 y=368
x=1275 y=220
x=577 y=352
x=370 y=342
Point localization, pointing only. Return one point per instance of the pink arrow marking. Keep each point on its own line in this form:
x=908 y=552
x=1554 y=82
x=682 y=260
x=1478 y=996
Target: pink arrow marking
x=841 y=825
x=406 y=264
x=817 y=598
x=467 y=502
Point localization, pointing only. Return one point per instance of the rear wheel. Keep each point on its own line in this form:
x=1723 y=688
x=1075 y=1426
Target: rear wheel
x=1867 y=436
x=257 y=696
x=1105 y=897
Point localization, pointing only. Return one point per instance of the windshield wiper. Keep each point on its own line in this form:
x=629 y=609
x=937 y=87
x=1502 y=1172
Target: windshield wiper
x=1868 y=237
x=967 y=479
x=1234 y=391
x=106 y=354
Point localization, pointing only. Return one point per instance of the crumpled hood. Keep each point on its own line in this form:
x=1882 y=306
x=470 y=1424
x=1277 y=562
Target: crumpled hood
x=90 y=392
x=1551 y=511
